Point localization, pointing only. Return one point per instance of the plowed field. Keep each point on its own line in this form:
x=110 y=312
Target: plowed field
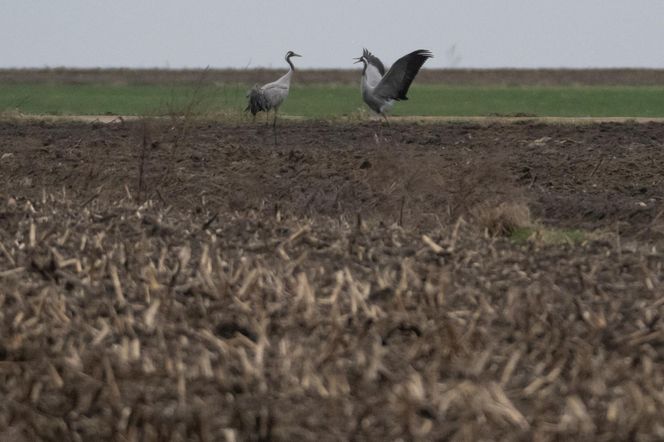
x=192 y=281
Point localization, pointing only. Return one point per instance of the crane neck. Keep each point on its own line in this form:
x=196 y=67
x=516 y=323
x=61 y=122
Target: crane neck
x=286 y=78
x=290 y=63
x=365 y=85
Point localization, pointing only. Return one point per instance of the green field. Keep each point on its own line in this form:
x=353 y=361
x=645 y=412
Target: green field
x=327 y=101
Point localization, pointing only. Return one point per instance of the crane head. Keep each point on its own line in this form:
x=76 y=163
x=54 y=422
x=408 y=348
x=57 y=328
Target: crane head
x=364 y=57
x=290 y=54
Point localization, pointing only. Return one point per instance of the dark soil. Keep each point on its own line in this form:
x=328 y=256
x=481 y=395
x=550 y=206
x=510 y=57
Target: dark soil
x=588 y=176
x=339 y=286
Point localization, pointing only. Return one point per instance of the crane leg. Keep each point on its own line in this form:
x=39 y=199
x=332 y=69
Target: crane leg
x=274 y=127
x=386 y=120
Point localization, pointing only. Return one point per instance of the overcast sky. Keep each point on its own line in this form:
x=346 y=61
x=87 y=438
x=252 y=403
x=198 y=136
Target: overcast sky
x=253 y=33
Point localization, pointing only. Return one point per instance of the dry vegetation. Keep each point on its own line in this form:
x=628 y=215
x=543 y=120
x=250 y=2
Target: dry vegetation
x=346 y=289
x=136 y=323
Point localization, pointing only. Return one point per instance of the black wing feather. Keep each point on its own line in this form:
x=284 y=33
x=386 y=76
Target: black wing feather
x=396 y=82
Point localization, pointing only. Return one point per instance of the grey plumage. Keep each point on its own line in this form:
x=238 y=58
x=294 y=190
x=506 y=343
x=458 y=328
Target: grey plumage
x=270 y=96
x=381 y=89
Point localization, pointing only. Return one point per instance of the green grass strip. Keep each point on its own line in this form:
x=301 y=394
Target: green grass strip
x=329 y=101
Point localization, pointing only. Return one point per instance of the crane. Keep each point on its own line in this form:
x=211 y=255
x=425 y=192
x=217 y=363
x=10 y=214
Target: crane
x=270 y=96
x=380 y=89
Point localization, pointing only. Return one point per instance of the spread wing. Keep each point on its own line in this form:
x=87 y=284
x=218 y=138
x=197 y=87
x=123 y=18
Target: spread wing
x=394 y=85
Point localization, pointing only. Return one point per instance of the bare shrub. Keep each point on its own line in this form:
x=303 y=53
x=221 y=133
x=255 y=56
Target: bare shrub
x=142 y=156
x=478 y=178
x=483 y=189
x=183 y=113
x=428 y=189
x=408 y=190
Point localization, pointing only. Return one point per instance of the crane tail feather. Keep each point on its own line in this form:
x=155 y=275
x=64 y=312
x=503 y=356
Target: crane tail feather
x=257 y=101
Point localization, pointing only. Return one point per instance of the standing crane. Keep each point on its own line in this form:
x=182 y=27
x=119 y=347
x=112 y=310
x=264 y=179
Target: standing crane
x=380 y=89
x=271 y=95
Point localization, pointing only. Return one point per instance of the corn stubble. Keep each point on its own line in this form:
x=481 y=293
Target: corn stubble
x=130 y=322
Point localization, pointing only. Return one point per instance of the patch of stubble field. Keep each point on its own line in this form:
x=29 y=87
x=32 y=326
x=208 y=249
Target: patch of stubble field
x=347 y=285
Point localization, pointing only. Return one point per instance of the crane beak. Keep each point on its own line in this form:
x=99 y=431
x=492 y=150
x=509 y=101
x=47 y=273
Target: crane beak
x=295 y=55
x=359 y=60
